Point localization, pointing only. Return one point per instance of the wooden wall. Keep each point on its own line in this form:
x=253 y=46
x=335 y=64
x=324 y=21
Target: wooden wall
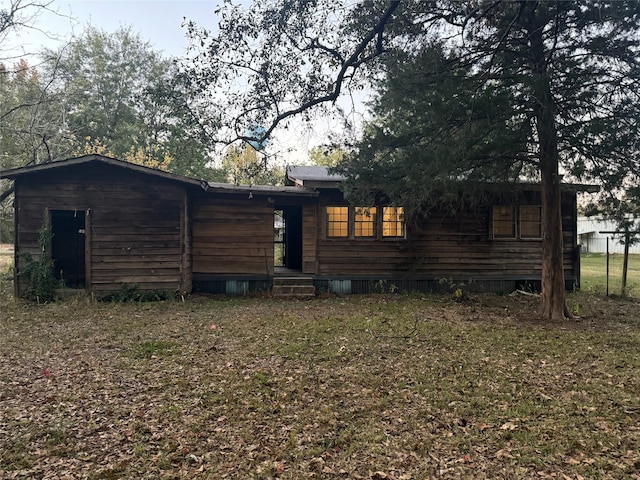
x=136 y=224
x=309 y=238
x=445 y=247
x=232 y=235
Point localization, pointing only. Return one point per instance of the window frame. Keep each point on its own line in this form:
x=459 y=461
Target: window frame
x=329 y=222
x=514 y=223
x=538 y=222
x=397 y=222
x=359 y=224
x=355 y=225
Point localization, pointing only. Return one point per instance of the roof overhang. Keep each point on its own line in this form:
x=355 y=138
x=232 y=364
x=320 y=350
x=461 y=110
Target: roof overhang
x=87 y=159
x=270 y=190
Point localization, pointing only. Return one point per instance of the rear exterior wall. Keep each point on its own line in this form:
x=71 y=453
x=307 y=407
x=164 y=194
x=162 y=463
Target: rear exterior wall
x=444 y=248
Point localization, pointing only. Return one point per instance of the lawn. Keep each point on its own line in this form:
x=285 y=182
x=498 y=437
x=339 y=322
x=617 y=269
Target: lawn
x=593 y=268
x=6 y=257
x=376 y=387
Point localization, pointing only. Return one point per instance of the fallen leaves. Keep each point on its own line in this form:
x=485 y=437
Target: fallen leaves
x=315 y=390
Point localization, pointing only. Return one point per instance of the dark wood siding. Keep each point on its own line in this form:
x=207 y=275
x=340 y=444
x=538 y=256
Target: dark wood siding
x=442 y=246
x=309 y=238
x=135 y=234
x=232 y=235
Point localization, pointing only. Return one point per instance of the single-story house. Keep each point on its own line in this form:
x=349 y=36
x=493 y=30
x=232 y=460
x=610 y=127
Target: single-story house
x=116 y=223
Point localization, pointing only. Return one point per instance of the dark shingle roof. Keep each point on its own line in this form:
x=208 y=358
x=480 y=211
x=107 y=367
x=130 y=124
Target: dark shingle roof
x=312 y=176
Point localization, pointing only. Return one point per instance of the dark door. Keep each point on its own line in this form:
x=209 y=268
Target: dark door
x=293 y=237
x=68 y=246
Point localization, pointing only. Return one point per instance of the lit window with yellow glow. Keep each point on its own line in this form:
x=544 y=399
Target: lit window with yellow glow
x=337 y=221
x=393 y=222
x=504 y=222
x=530 y=221
x=365 y=222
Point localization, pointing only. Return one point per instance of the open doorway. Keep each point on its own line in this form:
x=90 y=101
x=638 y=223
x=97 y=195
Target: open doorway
x=287 y=226
x=68 y=246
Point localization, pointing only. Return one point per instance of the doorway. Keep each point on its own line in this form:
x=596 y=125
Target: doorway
x=287 y=225
x=68 y=246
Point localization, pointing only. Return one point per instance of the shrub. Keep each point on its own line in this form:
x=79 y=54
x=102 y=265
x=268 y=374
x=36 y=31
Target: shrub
x=38 y=274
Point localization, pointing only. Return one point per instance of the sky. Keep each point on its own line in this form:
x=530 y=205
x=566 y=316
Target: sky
x=160 y=23
x=157 y=21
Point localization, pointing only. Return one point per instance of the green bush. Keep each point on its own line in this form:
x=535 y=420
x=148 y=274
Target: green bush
x=38 y=274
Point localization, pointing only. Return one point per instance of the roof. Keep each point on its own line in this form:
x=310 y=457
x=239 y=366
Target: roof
x=257 y=189
x=56 y=164
x=312 y=177
x=206 y=186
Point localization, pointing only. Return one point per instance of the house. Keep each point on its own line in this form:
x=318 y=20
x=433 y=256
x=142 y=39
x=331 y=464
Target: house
x=116 y=223
x=593 y=233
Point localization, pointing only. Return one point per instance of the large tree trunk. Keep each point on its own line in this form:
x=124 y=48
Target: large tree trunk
x=553 y=288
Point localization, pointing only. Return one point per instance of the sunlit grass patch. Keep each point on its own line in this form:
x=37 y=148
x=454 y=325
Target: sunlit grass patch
x=593 y=271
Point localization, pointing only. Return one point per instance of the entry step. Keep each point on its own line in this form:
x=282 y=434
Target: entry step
x=293 y=287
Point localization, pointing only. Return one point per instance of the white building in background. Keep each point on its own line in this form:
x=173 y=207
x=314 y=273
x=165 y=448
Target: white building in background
x=592 y=240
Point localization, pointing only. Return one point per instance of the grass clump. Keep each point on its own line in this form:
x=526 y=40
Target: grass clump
x=153 y=349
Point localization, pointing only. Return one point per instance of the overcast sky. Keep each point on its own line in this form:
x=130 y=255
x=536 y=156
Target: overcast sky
x=157 y=21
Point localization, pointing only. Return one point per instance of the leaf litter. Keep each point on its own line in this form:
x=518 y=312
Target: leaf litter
x=362 y=387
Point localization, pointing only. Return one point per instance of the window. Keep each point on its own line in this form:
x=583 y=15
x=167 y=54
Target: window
x=530 y=221
x=365 y=222
x=337 y=221
x=393 y=222
x=504 y=222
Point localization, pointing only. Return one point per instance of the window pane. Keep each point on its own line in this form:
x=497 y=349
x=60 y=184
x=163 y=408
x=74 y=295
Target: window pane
x=365 y=221
x=504 y=223
x=337 y=221
x=393 y=222
x=531 y=221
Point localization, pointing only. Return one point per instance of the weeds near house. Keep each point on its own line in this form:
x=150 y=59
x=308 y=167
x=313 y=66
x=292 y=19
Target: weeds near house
x=38 y=273
x=131 y=293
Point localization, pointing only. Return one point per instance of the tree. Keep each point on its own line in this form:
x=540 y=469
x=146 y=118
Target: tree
x=431 y=121
x=243 y=167
x=20 y=90
x=570 y=71
x=16 y=17
x=30 y=119
x=105 y=76
x=276 y=60
x=116 y=99
x=327 y=156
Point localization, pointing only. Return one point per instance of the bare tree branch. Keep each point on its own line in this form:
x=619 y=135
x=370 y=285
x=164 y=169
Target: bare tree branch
x=353 y=62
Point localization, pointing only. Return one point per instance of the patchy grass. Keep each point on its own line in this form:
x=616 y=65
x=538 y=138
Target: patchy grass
x=593 y=269
x=378 y=387
x=6 y=258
